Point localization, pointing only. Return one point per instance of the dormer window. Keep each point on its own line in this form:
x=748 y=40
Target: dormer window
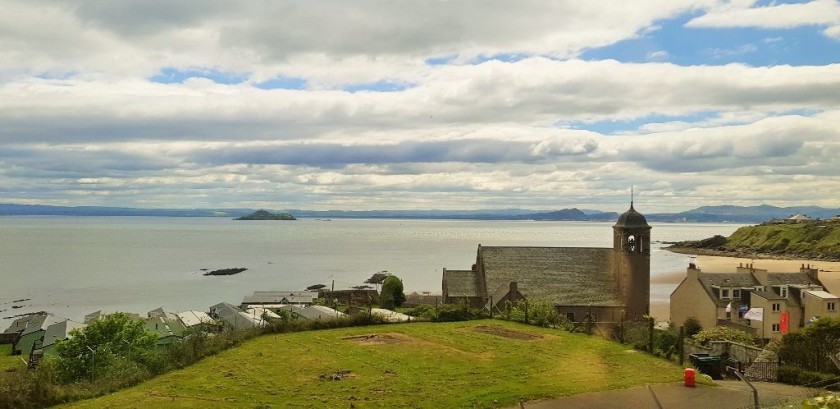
x=724 y=293
x=736 y=293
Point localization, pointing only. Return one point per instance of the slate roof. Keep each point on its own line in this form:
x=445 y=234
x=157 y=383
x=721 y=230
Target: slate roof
x=21 y=324
x=60 y=331
x=790 y=278
x=462 y=283
x=725 y=280
x=631 y=219
x=822 y=294
x=193 y=318
x=768 y=295
x=233 y=316
x=561 y=275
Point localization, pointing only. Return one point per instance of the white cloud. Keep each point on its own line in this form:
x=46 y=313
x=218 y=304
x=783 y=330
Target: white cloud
x=776 y=16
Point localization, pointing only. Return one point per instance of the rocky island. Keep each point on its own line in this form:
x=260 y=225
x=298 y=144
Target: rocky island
x=266 y=215
x=225 y=271
x=815 y=240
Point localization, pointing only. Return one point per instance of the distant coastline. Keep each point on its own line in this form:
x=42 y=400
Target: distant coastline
x=706 y=214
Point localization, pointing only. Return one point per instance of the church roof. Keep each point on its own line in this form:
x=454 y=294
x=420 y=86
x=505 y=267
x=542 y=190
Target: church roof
x=560 y=275
x=632 y=218
x=462 y=283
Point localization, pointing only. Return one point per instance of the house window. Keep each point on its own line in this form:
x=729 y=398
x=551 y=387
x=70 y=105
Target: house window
x=776 y=307
x=830 y=306
x=736 y=293
x=724 y=293
x=775 y=327
x=783 y=291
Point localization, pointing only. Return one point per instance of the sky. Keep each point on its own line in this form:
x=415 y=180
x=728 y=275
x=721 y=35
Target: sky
x=421 y=104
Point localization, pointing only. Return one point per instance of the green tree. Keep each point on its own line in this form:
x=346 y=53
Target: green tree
x=392 y=294
x=691 y=326
x=810 y=347
x=116 y=342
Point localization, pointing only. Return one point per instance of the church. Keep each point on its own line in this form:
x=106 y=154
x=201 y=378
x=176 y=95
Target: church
x=610 y=284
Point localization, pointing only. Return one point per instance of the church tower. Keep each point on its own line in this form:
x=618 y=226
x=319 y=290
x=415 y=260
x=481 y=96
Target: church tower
x=631 y=262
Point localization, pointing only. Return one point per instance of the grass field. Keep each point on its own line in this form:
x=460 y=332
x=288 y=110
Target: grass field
x=485 y=363
x=8 y=361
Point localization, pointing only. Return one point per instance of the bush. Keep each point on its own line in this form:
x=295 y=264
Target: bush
x=691 y=327
x=392 y=294
x=809 y=347
x=725 y=334
x=792 y=375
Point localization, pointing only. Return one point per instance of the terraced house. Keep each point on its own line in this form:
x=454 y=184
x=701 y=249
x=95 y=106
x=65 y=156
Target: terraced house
x=607 y=284
x=763 y=303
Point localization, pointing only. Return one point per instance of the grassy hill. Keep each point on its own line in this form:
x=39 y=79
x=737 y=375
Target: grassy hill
x=485 y=363
x=815 y=240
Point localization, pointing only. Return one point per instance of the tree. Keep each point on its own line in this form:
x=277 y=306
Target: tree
x=114 y=341
x=377 y=278
x=691 y=326
x=392 y=294
x=810 y=347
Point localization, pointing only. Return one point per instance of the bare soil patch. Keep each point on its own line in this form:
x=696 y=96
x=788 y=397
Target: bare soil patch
x=378 y=339
x=506 y=333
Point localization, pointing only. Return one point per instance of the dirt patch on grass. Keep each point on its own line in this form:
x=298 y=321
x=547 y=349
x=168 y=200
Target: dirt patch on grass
x=506 y=333
x=379 y=339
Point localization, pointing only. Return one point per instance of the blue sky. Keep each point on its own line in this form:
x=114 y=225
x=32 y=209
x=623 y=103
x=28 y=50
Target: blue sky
x=404 y=104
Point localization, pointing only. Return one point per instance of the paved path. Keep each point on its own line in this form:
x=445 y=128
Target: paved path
x=727 y=395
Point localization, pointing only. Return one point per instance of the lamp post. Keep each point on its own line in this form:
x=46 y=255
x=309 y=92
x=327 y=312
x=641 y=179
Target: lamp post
x=92 y=361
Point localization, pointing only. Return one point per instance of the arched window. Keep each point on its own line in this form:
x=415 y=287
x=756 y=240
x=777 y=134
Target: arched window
x=631 y=243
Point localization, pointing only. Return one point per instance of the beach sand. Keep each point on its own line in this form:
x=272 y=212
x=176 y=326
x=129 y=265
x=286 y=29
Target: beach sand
x=829 y=273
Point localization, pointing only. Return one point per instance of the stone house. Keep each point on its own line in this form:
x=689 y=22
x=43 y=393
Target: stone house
x=718 y=299
x=608 y=284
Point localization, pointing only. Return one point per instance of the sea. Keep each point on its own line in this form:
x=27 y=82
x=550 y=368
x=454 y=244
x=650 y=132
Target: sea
x=72 y=266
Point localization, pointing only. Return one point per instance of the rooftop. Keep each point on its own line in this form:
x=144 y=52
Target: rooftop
x=560 y=275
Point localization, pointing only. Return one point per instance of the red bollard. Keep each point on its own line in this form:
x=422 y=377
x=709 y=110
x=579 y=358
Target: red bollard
x=689 y=376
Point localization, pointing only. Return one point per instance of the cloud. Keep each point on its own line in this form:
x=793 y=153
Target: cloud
x=777 y=16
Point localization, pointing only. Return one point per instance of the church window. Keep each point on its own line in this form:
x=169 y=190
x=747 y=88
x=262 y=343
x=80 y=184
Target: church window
x=631 y=243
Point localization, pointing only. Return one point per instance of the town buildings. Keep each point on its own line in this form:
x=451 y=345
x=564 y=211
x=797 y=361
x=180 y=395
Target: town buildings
x=760 y=302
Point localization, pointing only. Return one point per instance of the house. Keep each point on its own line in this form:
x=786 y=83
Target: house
x=604 y=284
x=422 y=298
x=312 y=312
x=777 y=300
x=799 y=218
x=273 y=299
x=233 y=317
x=166 y=325
x=59 y=331
x=32 y=329
x=196 y=320
x=351 y=297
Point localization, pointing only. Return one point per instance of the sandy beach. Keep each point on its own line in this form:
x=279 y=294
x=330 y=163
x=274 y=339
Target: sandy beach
x=829 y=274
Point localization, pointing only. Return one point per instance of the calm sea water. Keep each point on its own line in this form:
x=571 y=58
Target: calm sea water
x=73 y=266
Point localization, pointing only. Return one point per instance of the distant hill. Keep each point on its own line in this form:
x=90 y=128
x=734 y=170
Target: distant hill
x=266 y=215
x=705 y=214
x=741 y=214
x=814 y=240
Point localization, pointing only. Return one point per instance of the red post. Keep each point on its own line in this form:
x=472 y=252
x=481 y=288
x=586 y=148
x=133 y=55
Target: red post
x=689 y=377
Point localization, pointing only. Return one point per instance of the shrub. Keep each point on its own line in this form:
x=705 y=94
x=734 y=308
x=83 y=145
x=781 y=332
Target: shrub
x=797 y=376
x=809 y=347
x=725 y=334
x=691 y=326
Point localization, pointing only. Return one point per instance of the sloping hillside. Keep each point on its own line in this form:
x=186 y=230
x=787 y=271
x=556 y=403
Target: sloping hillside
x=815 y=240
x=470 y=364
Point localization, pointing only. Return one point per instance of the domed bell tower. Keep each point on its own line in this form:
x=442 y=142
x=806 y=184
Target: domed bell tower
x=631 y=262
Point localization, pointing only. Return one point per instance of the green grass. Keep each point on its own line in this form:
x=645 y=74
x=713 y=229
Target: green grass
x=7 y=361
x=430 y=365
x=806 y=239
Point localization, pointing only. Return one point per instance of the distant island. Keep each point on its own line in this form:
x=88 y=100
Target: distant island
x=266 y=215
x=225 y=271
x=805 y=239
